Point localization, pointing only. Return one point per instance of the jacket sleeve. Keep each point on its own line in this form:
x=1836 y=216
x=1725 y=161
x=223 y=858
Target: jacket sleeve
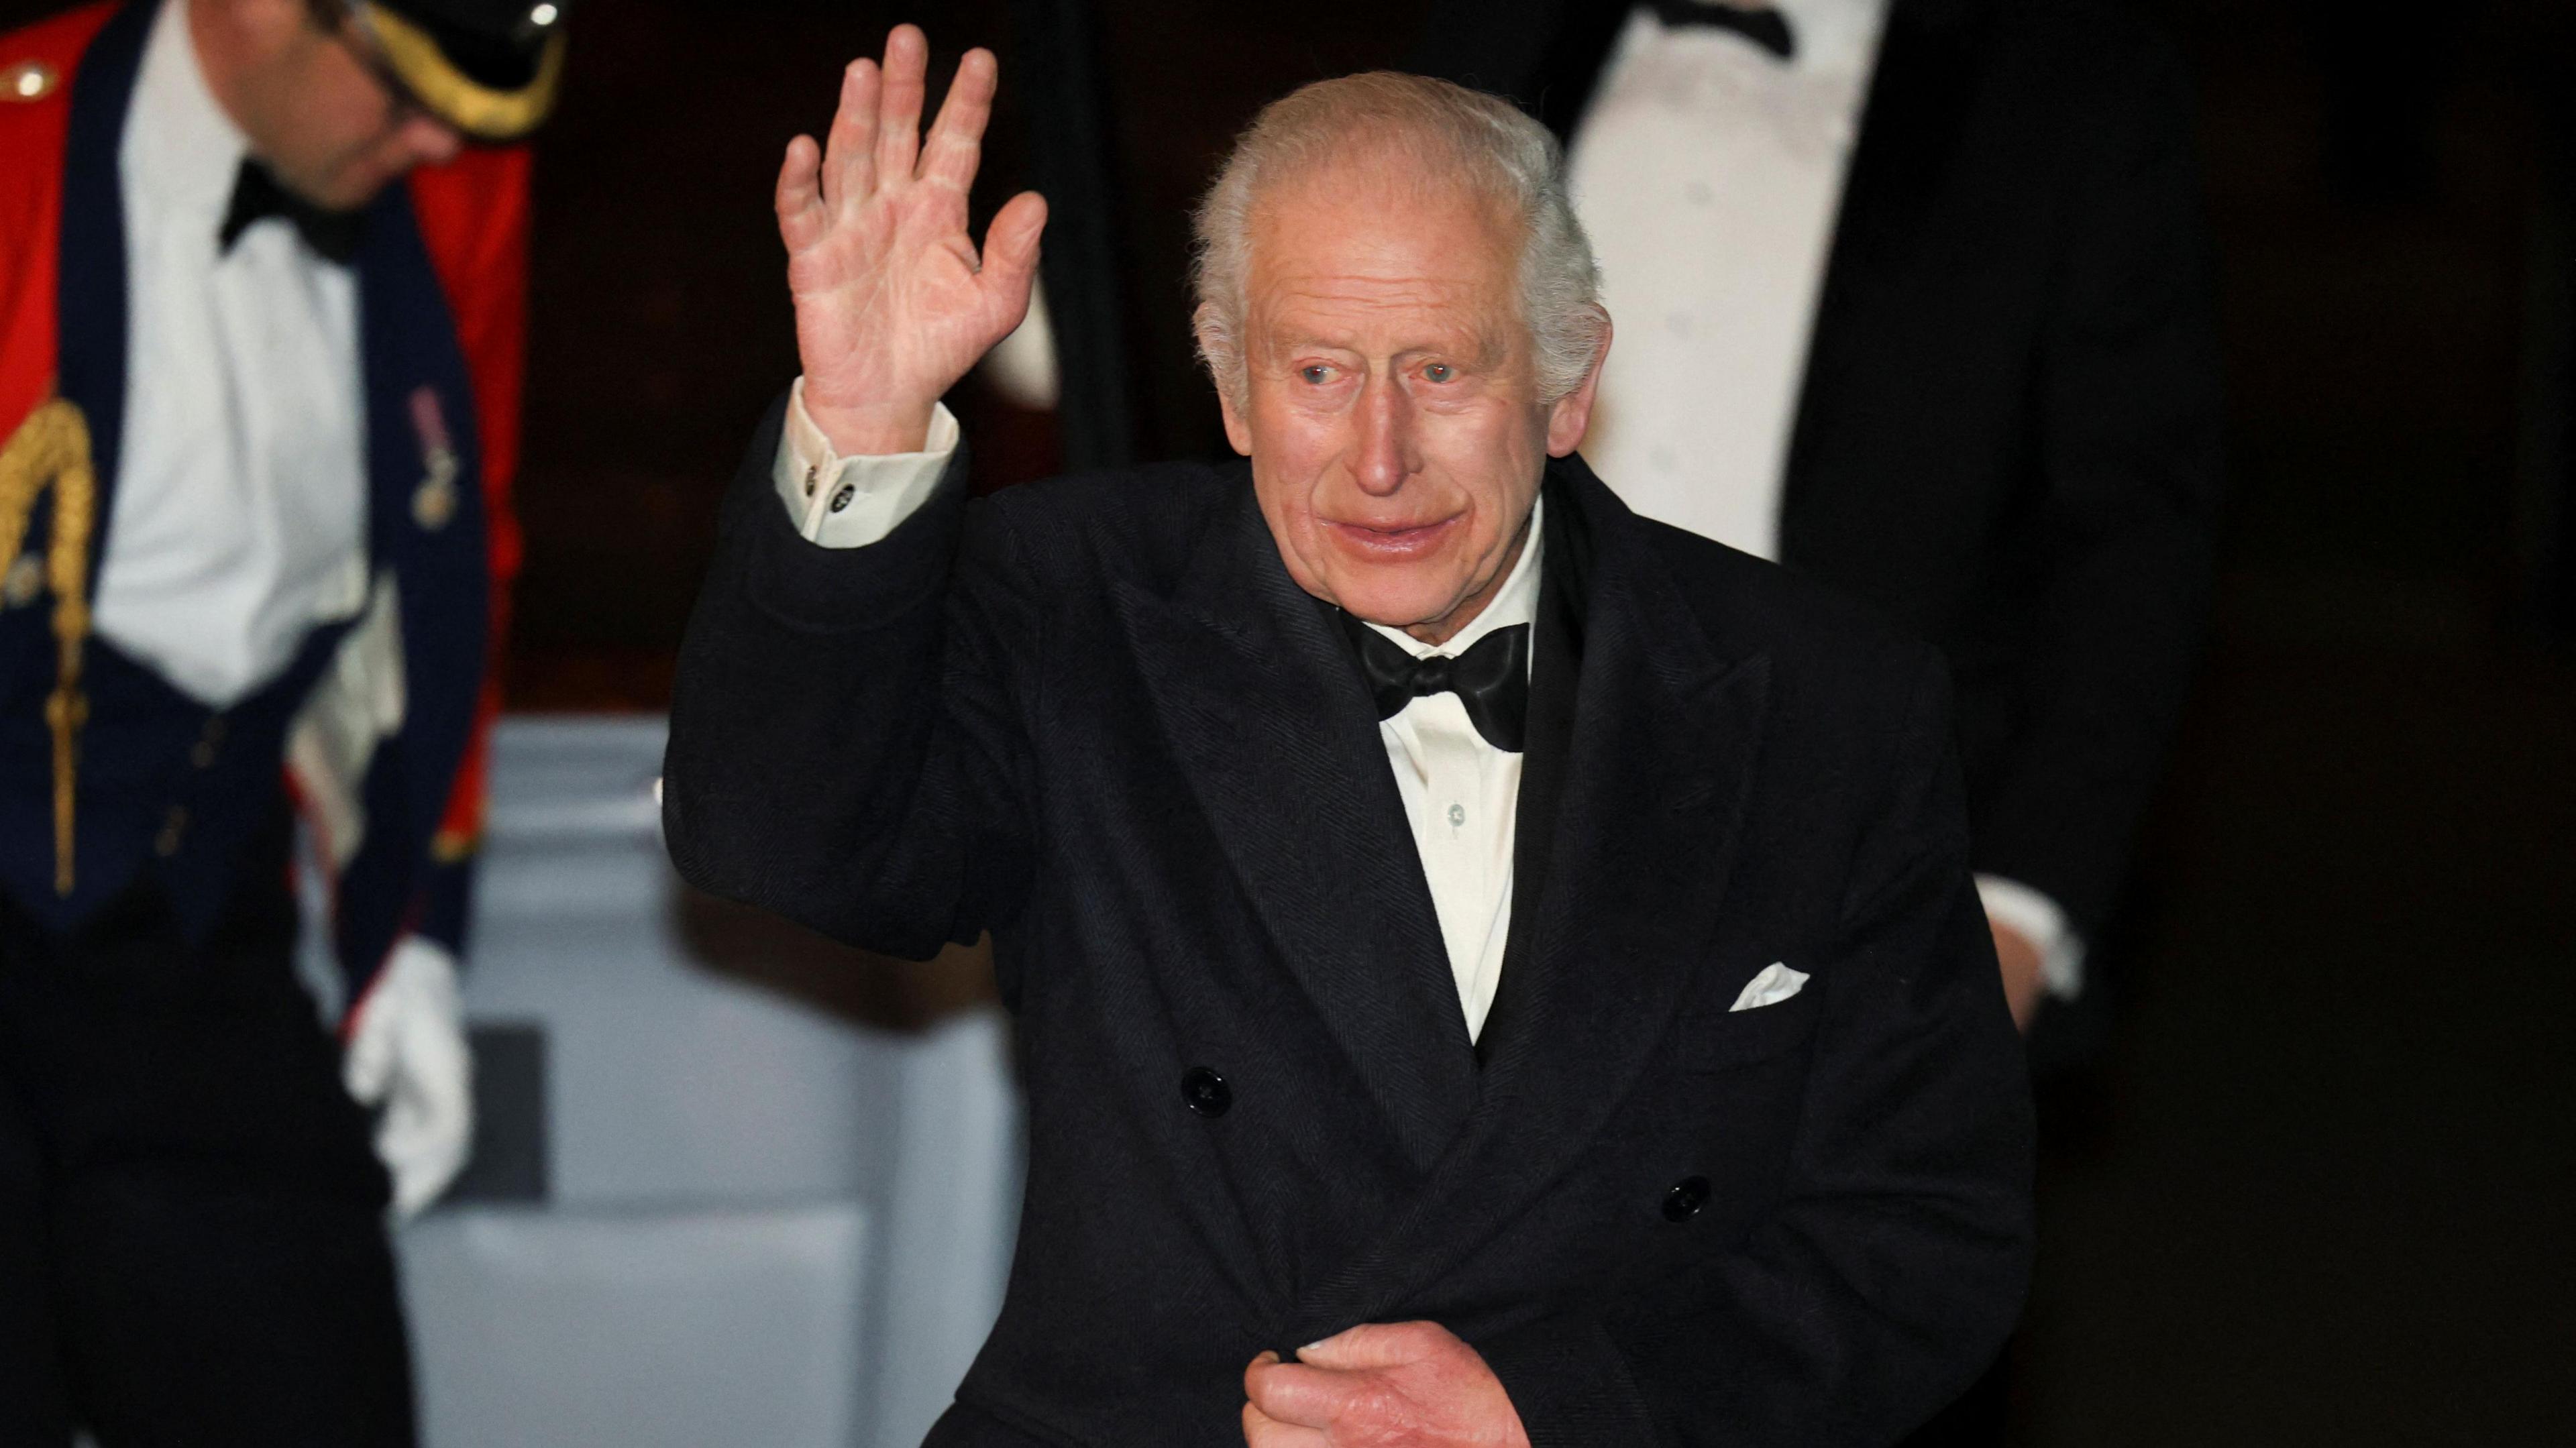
x=847 y=744
x=474 y=219
x=1895 y=1265
x=2127 y=409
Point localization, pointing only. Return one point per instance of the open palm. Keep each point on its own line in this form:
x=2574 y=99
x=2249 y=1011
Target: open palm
x=893 y=302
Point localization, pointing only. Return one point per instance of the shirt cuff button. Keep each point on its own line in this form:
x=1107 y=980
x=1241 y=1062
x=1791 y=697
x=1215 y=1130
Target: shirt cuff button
x=841 y=499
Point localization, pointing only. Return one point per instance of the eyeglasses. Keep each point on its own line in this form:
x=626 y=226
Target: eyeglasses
x=340 y=20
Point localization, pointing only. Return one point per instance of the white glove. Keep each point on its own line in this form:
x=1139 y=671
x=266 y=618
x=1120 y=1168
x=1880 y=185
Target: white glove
x=407 y=1054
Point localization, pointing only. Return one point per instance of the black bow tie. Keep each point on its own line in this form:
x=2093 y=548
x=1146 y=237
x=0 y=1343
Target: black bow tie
x=333 y=235
x=1768 y=29
x=1491 y=679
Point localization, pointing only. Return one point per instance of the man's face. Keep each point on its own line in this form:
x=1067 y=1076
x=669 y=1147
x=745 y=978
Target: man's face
x=1392 y=412
x=297 y=83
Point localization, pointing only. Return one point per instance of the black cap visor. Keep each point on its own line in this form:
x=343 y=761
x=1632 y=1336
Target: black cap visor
x=489 y=87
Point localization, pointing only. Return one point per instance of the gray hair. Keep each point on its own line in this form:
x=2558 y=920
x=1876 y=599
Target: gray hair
x=1482 y=141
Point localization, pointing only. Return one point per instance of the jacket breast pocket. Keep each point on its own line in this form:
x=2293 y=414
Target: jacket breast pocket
x=1721 y=1040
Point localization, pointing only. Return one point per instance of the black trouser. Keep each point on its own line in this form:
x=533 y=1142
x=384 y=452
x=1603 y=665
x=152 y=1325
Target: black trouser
x=192 y=1248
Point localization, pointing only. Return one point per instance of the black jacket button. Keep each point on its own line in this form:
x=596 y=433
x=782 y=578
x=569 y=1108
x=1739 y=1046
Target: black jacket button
x=1206 y=1091
x=1685 y=1199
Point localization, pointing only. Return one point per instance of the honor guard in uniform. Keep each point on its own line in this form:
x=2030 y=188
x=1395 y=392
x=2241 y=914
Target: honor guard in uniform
x=262 y=306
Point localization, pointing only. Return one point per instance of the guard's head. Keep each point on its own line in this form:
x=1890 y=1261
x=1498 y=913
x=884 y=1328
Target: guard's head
x=343 y=97
x=1403 y=320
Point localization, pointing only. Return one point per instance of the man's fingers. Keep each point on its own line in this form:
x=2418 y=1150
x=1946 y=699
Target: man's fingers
x=1297 y=1394
x=801 y=218
x=850 y=155
x=1260 y=1430
x=907 y=67
x=1377 y=1345
x=1010 y=261
x=956 y=144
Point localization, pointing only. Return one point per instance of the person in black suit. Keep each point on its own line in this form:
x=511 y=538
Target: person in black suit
x=1916 y=300
x=1490 y=968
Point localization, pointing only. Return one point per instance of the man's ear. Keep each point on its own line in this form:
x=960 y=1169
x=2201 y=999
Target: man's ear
x=1570 y=416
x=1237 y=431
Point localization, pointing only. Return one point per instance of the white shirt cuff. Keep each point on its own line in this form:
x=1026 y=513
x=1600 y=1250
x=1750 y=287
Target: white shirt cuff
x=2042 y=922
x=852 y=502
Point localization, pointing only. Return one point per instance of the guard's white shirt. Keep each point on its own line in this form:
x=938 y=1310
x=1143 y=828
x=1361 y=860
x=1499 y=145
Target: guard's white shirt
x=240 y=511
x=1461 y=795
x=1709 y=174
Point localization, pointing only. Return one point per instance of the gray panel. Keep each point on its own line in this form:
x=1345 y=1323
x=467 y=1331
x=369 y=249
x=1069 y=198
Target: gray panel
x=508 y=1160
x=673 y=1081
x=764 y=1220
x=668 y=1330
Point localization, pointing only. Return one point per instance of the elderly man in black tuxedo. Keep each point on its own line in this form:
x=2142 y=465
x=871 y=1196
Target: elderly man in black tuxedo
x=1491 y=969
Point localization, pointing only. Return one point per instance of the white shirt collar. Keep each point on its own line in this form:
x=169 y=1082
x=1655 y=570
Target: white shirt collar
x=180 y=145
x=1516 y=602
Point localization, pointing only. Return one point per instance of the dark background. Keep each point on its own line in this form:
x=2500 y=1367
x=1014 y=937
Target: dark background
x=2320 y=1189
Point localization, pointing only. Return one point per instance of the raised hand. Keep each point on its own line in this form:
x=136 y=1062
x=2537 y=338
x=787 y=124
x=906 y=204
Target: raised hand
x=893 y=303
x=1381 y=1385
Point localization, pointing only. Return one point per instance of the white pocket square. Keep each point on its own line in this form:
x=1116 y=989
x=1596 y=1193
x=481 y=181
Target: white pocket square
x=1775 y=984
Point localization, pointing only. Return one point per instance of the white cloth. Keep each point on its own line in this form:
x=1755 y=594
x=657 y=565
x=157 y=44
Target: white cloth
x=1709 y=174
x=1461 y=794
x=1775 y=983
x=241 y=500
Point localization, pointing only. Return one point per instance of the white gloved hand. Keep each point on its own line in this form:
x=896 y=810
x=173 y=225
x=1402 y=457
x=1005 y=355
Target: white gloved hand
x=407 y=1054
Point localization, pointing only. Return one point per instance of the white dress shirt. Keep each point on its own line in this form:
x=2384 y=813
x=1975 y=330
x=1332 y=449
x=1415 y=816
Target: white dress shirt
x=1461 y=794
x=1462 y=797
x=1709 y=174
x=241 y=501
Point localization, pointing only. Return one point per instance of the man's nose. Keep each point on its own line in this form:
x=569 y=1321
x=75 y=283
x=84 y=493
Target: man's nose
x=430 y=142
x=1385 y=454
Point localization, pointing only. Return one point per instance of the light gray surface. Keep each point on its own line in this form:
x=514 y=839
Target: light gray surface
x=542 y=1329
x=767 y=1225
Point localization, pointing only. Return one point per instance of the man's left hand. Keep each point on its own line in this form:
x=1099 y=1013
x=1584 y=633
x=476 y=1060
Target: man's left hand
x=1380 y=1385
x=2025 y=983
x=406 y=1054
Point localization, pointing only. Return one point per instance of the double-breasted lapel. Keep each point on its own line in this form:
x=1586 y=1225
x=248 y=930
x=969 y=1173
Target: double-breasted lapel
x=90 y=279
x=1266 y=716
x=1663 y=745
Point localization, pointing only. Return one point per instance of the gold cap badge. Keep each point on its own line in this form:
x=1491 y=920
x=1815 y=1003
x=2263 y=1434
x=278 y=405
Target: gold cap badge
x=28 y=80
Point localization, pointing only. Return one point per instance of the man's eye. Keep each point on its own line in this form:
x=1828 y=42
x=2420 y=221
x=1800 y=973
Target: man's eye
x=1439 y=372
x=1316 y=375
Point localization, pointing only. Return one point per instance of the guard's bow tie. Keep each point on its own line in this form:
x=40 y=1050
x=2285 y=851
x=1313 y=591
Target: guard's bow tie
x=333 y=235
x=1766 y=28
x=1491 y=679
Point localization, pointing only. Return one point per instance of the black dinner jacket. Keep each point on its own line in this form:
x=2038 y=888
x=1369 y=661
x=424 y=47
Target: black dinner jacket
x=2008 y=434
x=1096 y=718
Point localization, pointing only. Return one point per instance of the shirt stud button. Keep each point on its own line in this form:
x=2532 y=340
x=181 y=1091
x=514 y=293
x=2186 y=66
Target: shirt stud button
x=842 y=499
x=1457 y=815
